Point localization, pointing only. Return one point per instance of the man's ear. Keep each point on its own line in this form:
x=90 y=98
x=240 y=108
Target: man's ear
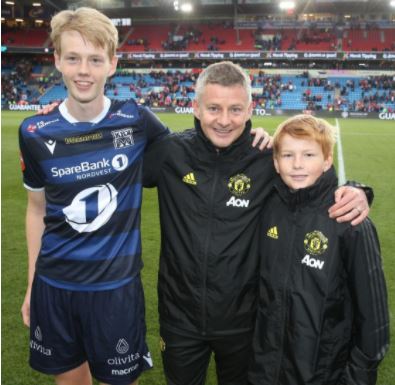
x=196 y=108
x=250 y=108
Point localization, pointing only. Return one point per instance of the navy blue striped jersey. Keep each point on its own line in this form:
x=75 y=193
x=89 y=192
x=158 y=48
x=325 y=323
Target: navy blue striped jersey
x=91 y=173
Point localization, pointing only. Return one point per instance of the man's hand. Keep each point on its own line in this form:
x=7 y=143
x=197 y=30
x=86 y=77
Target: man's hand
x=261 y=138
x=47 y=108
x=351 y=205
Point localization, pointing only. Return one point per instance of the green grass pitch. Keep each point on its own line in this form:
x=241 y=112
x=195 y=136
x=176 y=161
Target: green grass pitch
x=368 y=147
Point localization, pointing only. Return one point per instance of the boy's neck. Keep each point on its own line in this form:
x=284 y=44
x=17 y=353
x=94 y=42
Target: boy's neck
x=85 y=112
x=78 y=112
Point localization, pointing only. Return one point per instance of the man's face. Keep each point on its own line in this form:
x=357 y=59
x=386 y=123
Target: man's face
x=84 y=67
x=223 y=113
x=300 y=162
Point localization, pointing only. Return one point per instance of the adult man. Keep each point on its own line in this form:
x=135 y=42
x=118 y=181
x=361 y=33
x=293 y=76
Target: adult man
x=211 y=186
x=82 y=166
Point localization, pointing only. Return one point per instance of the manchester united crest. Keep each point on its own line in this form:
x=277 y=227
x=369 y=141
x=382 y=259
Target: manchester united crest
x=239 y=184
x=315 y=242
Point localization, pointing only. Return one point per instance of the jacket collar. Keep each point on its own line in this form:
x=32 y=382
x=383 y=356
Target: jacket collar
x=319 y=193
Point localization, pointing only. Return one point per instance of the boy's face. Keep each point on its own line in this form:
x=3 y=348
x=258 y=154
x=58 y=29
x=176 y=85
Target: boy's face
x=84 y=67
x=300 y=162
x=223 y=113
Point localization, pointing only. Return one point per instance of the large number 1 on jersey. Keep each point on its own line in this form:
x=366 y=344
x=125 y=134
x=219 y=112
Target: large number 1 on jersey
x=91 y=208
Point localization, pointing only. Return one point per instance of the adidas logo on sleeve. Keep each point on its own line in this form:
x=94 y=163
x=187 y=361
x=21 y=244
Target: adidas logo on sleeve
x=189 y=179
x=272 y=232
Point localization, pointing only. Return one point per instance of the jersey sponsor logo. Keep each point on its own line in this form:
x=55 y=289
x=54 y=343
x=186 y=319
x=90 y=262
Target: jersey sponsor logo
x=120 y=162
x=123 y=138
x=83 y=138
x=91 y=208
x=239 y=184
x=121 y=115
x=50 y=143
x=236 y=202
x=124 y=372
x=37 y=334
x=272 y=232
x=315 y=242
x=44 y=123
x=117 y=361
x=313 y=262
x=31 y=128
x=122 y=346
x=83 y=167
x=189 y=179
x=39 y=347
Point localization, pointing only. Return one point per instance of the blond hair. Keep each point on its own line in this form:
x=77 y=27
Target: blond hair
x=305 y=126
x=226 y=74
x=93 y=26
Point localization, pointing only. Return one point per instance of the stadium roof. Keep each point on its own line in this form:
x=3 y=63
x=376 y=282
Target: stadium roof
x=154 y=9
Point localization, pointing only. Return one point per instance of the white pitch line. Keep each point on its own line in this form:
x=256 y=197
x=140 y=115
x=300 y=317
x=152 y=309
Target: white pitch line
x=341 y=173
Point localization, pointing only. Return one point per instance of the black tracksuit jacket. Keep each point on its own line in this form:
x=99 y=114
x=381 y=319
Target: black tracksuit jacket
x=322 y=315
x=209 y=203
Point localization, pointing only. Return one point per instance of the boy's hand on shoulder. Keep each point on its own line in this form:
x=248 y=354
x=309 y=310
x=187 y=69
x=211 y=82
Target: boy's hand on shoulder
x=262 y=139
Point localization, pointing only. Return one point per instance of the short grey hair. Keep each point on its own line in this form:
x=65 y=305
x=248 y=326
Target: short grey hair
x=226 y=74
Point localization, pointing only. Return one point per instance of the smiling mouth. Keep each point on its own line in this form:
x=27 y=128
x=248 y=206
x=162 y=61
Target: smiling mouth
x=83 y=84
x=222 y=132
x=298 y=177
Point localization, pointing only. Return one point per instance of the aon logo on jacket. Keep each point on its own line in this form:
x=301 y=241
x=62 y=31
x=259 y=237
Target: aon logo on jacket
x=312 y=262
x=237 y=202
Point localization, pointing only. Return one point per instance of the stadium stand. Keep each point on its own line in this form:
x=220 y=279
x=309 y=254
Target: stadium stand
x=293 y=92
x=27 y=79
x=25 y=37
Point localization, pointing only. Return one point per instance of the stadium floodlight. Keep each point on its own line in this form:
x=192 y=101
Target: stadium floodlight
x=287 y=5
x=183 y=6
x=186 y=7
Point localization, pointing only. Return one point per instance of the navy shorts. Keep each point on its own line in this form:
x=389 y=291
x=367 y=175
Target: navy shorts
x=106 y=328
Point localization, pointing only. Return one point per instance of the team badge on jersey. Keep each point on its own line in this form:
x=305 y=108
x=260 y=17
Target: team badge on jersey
x=123 y=138
x=239 y=184
x=315 y=242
